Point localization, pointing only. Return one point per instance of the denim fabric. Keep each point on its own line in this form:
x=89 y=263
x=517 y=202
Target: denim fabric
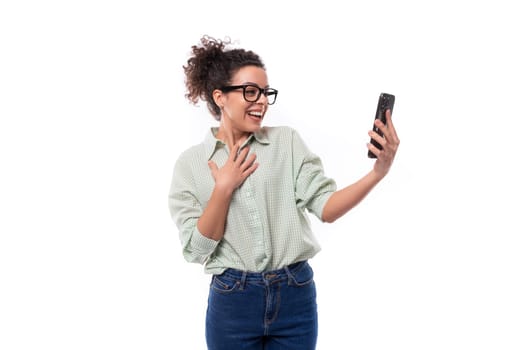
x=269 y=310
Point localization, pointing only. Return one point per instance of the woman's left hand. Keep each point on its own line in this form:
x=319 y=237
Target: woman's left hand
x=389 y=142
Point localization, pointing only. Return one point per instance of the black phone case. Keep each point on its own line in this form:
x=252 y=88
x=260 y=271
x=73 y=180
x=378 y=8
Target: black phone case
x=386 y=101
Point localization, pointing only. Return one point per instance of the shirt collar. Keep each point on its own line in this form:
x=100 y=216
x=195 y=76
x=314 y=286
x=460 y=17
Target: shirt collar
x=211 y=143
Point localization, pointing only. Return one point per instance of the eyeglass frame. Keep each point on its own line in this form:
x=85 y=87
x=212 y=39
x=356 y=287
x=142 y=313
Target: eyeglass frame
x=262 y=91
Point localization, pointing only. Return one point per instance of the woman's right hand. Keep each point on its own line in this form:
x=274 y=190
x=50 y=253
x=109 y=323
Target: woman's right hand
x=236 y=169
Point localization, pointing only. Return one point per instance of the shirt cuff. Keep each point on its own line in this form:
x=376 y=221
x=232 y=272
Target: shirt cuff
x=202 y=244
x=320 y=202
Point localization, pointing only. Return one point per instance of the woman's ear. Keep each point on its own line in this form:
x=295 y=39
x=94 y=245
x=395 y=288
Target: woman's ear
x=217 y=98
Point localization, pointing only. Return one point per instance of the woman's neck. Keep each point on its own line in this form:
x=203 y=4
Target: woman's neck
x=231 y=137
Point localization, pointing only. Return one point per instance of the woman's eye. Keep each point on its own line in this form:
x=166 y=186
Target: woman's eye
x=251 y=91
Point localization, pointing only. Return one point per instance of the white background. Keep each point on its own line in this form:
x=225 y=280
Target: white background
x=93 y=116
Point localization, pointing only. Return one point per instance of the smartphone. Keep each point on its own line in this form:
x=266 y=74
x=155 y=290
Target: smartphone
x=386 y=101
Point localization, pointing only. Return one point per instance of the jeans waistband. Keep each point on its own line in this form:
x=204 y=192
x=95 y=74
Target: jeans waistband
x=246 y=276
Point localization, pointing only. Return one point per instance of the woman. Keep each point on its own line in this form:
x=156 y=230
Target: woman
x=240 y=200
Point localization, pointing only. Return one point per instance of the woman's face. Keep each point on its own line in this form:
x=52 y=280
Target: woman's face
x=238 y=114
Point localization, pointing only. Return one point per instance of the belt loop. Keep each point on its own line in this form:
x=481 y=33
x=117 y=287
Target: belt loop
x=289 y=274
x=243 y=280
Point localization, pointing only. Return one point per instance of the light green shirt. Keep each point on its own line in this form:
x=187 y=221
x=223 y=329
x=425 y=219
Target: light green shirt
x=267 y=226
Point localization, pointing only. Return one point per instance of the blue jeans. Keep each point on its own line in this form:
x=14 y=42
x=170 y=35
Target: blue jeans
x=269 y=310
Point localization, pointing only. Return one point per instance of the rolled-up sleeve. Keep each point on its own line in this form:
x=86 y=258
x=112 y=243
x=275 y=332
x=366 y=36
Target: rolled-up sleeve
x=186 y=210
x=312 y=187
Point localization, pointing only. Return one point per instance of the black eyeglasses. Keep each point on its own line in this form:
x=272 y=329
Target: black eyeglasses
x=252 y=93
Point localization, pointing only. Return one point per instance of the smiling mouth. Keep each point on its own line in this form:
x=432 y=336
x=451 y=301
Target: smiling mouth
x=258 y=114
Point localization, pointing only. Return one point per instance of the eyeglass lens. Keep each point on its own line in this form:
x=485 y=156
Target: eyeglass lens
x=252 y=94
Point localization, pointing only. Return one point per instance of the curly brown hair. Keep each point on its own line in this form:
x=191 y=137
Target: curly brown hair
x=211 y=67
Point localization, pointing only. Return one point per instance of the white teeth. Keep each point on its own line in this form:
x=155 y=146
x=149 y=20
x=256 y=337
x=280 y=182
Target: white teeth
x=256 y=114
